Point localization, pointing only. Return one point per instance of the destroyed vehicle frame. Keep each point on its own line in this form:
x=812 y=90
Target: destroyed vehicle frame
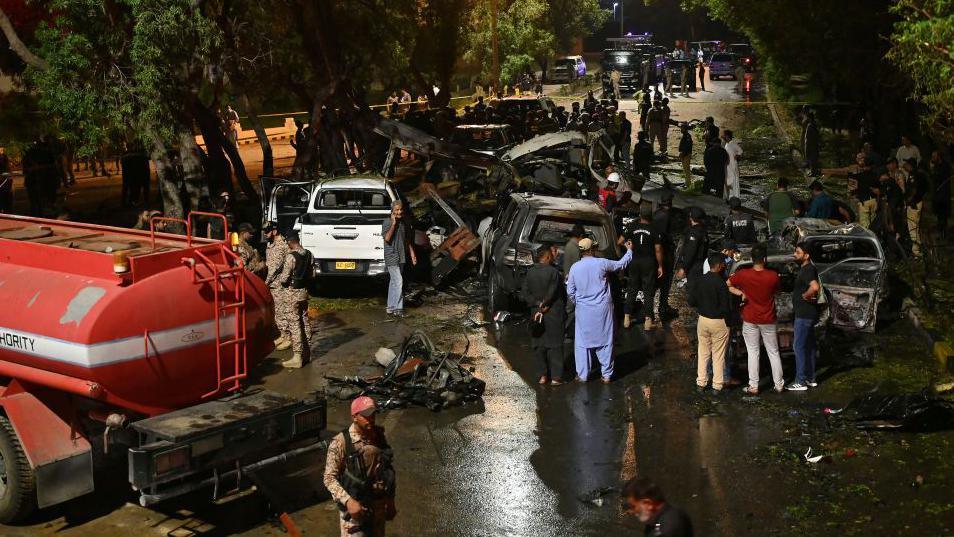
x=524 y=223
x=851 y=268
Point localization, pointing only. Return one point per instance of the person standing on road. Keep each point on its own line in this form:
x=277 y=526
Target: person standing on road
x=247 y=253
x=625 y=139
x=295 y=278
x=805 y=309
x=733 y=186
x=396 y=251
x=656 y=122
x=645 y=105
x=275 y=254
x=642 y=155
x=542 y=288
x=695 y=248
x=571 y=250
x=684 y=73
x=716 y=159
x=662 y=228
x=702 y=75
x=915 y=187
x=359 y=474
x=614 y=80
x=757 y=286
x=645 y=500
x=713 y=304
x=588 y=288
x=810 y=147
x=941 y=188
x=739 y=225
x=685 y=152
x=645 y=268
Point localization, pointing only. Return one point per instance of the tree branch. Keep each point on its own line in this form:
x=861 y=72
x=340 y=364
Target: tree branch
x=17 y=46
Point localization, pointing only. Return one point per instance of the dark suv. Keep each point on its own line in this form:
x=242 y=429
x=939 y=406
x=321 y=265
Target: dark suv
x=526 y=221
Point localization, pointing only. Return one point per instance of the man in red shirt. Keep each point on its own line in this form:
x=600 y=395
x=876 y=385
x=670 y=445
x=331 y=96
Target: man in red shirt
x=757 y=287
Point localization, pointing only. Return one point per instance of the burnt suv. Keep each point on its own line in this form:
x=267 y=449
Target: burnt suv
x=523 y=223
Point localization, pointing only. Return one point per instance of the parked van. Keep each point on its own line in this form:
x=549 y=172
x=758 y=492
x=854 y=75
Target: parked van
x=339 y=221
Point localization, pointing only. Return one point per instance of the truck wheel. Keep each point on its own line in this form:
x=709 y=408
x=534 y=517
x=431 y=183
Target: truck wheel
x=497 y=299
x=17 y=479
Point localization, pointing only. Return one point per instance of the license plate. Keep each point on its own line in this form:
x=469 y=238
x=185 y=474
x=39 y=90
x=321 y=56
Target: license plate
x=346 y=265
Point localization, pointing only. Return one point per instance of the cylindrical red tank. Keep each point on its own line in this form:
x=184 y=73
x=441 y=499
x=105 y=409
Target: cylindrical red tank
x=147 y=336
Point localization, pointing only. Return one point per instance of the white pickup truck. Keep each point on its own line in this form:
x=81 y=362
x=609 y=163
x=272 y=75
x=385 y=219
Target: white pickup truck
x=339 y=221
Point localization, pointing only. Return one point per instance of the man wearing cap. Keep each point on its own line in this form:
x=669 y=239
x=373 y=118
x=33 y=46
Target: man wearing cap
x=588 y=288
x=359 y=474
x=695 y=248
x=643 y=271
x=712 y=302
x=275 y=253
x=251 y=259
x=739 y=225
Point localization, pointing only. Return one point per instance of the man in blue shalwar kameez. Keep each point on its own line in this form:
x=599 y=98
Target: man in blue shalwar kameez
x=588 y=288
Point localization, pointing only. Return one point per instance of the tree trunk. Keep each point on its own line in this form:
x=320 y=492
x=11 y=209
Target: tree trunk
x=218 y=146
x=17 y=46
x=168 y=183
x=268 y=162
x=193 y=174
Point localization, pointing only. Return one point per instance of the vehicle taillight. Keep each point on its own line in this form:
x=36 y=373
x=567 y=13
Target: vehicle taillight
x=172 y=460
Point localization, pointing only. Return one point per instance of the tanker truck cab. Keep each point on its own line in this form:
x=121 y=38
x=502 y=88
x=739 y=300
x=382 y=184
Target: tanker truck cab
x=341 y=224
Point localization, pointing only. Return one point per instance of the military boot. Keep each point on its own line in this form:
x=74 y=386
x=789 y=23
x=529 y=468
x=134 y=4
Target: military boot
x=294 y=363
x=285 y=344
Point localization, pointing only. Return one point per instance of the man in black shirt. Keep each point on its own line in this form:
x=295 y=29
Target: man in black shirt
x=685 y=152
x=715 y=160
x=804 y=307
x=625 y=139
x=662 y=228
x=695 y=248
x=643 y=270
x=915 y=187
x=542 y=289
x=644 y=499
x=713 y=304
x=643 y=155
x=739 y=226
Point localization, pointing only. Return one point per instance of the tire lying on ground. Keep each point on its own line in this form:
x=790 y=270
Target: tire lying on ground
x=17 y=479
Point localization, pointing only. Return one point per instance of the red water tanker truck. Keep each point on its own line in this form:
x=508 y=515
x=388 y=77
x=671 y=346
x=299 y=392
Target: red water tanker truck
x=117 y=341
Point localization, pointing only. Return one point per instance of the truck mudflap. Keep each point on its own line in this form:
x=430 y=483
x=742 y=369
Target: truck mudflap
x=204 y=445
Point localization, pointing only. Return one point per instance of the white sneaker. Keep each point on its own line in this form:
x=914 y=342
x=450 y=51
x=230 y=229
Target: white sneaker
x=796 y=387
x=648 y=324
x=812 y=384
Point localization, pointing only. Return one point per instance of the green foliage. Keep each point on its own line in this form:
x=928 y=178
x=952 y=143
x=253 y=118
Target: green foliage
x=923 y=47
x=529 y=31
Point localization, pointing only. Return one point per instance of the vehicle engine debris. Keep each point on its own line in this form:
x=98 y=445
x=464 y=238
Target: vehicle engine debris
x=419 y=375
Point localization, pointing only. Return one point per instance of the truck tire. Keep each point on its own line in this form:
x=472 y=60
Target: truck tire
x=497 y=299
x=17 y=479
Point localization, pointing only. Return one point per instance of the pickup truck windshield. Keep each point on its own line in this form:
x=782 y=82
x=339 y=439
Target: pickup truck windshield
x=338 y=199
x=479 y=138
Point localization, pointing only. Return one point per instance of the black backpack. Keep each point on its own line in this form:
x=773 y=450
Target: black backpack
x=304 y=272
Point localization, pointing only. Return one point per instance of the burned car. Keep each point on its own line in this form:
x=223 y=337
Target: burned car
x=525 y=222
x=486 y=139
x=851 y=268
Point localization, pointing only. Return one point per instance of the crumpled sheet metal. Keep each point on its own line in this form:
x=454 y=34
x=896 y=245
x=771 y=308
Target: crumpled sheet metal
x=420 y=375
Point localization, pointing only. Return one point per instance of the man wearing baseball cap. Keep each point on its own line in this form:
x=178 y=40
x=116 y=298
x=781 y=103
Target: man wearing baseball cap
x=359 y=474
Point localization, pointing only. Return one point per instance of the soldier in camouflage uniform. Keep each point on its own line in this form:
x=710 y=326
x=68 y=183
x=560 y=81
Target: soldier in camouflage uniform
x=295 y=278
x=275 y=254
x=249 y=255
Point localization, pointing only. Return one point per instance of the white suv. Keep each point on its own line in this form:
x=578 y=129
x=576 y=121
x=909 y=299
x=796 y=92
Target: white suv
x=340 y=224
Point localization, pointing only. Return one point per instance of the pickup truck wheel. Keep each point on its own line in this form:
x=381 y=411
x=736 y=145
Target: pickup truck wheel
x=497 y=299
x=17 y=479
